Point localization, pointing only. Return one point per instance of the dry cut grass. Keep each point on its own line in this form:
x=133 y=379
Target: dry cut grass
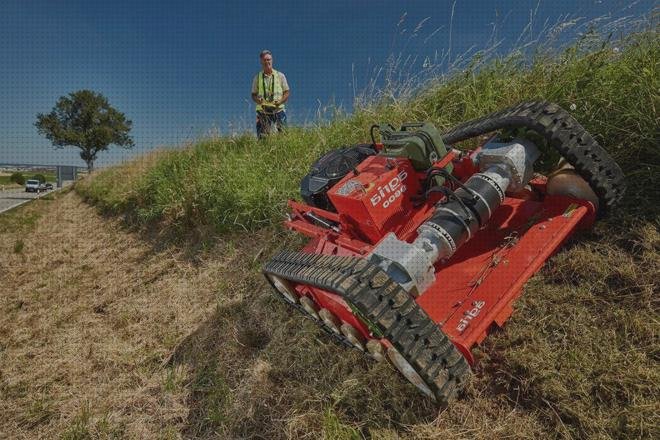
x=88 y=314
x=108 y=334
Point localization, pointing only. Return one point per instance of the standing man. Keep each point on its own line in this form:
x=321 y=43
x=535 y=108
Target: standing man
x=269 y=91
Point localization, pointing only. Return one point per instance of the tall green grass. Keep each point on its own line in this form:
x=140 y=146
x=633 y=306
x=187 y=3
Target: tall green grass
x=238 y=183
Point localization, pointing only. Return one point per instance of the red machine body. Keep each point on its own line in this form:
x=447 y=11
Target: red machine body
x=475 y=289
x=418 y=250
x=376 y=199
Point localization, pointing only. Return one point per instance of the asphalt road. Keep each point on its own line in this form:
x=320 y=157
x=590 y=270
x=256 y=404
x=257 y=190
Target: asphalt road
x=11 y=198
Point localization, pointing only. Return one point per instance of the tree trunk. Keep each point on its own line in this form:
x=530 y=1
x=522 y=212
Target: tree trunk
x=88 y=155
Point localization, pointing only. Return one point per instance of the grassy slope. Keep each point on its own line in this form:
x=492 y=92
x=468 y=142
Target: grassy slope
x=578 y=359
x=238 y=183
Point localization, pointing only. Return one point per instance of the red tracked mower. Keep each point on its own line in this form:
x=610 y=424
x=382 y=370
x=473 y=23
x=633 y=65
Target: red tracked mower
x=417 y=250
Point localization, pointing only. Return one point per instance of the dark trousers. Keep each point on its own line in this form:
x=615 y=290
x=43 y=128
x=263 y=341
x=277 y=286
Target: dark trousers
x=270 y=122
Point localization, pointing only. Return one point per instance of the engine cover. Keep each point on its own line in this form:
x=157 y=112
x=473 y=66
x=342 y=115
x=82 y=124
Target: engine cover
x=329 y=170
x=378 y=197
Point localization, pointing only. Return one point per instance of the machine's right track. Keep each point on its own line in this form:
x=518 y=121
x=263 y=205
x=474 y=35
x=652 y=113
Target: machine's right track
x=384 y=306
x=564 y=134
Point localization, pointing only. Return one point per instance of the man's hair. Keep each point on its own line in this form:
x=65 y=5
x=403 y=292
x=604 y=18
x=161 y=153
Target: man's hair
x=264 y=53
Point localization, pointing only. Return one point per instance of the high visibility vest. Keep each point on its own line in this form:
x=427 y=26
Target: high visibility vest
x=273 y=93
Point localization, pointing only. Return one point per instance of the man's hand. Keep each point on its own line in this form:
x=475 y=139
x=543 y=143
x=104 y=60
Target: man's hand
x=258 y=99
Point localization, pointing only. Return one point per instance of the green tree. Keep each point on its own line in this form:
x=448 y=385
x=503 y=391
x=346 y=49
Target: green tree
x=85 y=120
x=18 y=178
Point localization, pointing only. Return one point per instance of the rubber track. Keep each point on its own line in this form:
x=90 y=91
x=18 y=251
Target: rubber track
x=388 y=307
x=564 y=134
x=337 y=338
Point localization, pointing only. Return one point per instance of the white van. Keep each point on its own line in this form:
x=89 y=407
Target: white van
x=32 y=186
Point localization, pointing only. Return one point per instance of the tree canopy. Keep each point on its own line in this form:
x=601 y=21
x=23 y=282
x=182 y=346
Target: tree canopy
x=85 y=120
x=18 y=178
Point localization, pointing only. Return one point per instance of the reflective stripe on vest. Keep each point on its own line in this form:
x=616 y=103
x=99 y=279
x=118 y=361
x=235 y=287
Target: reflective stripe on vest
x=275 y=89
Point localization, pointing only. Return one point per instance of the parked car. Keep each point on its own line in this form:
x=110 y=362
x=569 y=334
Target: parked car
x=33 y=186
x=47 y=186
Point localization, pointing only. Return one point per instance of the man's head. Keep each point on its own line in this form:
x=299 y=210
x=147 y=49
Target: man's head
x=266 y=60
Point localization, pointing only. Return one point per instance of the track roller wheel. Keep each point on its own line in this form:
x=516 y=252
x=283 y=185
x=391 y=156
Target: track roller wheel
x=407 y=370
x=284 y=288
x=309 y=306
x=375 y=349
x=352 y=335
x=330 y=320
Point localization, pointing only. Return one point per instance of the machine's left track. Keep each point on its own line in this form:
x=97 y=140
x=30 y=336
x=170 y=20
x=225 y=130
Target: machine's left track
x=386 y=308
x=336 y=337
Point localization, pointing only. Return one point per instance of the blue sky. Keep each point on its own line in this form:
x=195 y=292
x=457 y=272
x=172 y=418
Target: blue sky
x=179 y=69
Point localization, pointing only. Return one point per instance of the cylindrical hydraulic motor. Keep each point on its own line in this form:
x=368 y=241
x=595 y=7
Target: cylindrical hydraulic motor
x=459 y=218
